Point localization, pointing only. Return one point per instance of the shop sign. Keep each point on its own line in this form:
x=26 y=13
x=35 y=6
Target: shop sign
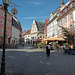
x=14 y=11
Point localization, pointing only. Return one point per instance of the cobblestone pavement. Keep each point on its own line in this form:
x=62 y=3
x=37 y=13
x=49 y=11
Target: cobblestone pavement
x=30 y=61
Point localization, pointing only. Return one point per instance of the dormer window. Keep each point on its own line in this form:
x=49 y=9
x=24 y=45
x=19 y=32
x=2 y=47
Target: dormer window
x=71 y=5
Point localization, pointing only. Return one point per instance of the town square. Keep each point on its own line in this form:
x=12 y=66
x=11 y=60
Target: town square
x=30 y=61
x=37 y=37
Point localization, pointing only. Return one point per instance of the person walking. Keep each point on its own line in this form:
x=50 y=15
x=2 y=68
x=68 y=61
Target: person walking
x=48 y=49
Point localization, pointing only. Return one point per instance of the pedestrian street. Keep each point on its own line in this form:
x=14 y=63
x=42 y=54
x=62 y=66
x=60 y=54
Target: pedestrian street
x=31 y=61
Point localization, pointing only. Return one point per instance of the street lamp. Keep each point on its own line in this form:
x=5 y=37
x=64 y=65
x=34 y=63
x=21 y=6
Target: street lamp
x=6 y=4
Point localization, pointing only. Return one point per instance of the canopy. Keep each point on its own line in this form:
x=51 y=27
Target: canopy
x=38 y=40
x=54 y=39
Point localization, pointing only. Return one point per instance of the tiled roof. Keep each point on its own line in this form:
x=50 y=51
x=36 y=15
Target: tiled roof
x=27 y=32
x=40 y=26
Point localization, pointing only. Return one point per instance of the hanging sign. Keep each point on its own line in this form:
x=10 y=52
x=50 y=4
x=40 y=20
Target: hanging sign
x=14 y=11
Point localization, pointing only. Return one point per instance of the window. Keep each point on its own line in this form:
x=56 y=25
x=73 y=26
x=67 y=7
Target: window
x=2 y=13
x=35 y=37
x=65 y=20
x=10 y=17
x=61 y=22
x=70 y=16
x=10 y=24
x=1 y=30
x=40 y=36
x=60 y=13
x=6 y=31
x=7 y=23
x=1 y=21
x=9 y=32
x=65 y=9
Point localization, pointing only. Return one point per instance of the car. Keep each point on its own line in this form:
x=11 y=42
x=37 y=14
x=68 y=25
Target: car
x=71 y=51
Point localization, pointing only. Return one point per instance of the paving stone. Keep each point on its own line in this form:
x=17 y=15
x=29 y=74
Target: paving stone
x=29 y=61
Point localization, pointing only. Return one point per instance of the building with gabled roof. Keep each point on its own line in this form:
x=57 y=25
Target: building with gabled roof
x=37 y=30
x=27 y=37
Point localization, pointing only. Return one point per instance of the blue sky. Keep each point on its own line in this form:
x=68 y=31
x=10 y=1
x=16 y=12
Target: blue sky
x=30 y=10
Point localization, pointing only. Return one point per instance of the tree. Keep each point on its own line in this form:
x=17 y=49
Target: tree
x=69 y=33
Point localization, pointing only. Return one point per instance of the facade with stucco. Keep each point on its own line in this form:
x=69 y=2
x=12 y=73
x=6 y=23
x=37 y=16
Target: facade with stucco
x=16 y=31
x=67 y=17
x=37 y=30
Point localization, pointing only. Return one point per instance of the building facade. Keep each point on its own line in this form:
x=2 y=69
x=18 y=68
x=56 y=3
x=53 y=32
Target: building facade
x=37 y=30
x=8 y=25
x=45 y=28
x=67 y=17
x=27 y=37
x=16 y=31
x=52 y=26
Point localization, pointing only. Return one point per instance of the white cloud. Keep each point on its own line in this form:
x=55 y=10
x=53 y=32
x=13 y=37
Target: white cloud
x=36 y=2
x=35 y=17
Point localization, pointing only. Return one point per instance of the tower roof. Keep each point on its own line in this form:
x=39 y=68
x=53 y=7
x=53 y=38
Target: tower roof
x=62 y=2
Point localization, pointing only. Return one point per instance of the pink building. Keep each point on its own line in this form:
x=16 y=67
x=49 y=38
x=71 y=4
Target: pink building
x=45 y=28
x=67 y=17
x=8 y=25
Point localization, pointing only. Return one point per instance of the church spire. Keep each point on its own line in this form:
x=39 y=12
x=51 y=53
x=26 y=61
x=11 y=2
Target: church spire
x=62 y=2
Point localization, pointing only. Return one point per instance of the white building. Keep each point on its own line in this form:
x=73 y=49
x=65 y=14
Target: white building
x=67 y=17
x=52 y=27
x=16 y=31
x=37 y=30
x=27 y=37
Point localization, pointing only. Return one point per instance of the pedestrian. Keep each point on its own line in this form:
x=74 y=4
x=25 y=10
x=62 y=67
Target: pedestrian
x=48 y=49
x=23 y=44
x=14 y=43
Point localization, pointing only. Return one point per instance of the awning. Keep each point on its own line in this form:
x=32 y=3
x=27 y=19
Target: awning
x=38 y=40
x=54 y=39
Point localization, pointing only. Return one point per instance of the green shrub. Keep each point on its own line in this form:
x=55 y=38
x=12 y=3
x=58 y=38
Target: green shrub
x=39 y=45
x=43 y=45
x=66 y=44
x=54 y=44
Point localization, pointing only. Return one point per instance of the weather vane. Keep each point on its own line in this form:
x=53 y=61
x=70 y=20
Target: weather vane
x=14 y=10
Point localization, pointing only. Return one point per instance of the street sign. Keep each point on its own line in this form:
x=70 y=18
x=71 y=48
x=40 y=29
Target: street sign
x=14 y=11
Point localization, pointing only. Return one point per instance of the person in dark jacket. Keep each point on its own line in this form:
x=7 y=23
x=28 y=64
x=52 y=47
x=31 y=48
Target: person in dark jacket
x=48 y=49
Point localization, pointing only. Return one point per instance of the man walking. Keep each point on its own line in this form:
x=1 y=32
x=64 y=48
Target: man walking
x=48 y=49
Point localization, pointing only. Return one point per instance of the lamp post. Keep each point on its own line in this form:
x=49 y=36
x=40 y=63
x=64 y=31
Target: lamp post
x=6 y=4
